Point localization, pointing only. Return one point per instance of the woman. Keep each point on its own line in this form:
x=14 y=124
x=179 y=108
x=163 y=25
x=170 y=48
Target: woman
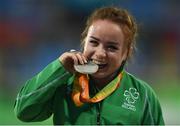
x=109 y=96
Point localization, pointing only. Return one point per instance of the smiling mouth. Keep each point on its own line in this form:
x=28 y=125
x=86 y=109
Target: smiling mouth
x=100 y=64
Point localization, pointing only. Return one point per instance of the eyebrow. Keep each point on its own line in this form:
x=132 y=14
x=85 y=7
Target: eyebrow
x=109 y=42
x=95 y=38
x=112 y=43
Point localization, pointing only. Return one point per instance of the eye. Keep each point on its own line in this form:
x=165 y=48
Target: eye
x=93 y=42
x=112 y=48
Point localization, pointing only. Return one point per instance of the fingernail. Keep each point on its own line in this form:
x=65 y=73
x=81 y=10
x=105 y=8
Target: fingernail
x=85 y=61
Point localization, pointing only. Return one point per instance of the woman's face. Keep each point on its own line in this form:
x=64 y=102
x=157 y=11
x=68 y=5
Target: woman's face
x=104 y=45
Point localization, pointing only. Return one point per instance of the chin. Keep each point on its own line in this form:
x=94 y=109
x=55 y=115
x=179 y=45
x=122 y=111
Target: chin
x=99 y=75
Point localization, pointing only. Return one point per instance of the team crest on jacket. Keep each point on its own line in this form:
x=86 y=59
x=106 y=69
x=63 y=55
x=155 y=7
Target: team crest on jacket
x=131 y=97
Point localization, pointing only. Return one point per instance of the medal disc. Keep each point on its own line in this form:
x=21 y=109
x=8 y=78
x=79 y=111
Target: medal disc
x=88 y=68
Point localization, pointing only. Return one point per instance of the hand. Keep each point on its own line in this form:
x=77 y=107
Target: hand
x=69 y=59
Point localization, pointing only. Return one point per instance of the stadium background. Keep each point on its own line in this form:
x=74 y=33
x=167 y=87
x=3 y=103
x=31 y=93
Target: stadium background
x=35 y=32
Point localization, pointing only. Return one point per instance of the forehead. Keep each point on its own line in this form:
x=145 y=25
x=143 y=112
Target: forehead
x=106 y=30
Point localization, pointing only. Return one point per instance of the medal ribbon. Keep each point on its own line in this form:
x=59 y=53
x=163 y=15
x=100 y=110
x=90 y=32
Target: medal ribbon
x=80 y=92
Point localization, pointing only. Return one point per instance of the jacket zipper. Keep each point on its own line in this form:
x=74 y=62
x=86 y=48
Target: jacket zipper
x=98 y=107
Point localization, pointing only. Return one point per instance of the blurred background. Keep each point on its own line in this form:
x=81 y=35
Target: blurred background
x=33 y=33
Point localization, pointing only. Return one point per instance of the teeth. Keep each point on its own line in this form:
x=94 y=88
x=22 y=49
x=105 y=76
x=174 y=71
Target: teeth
x=98 y=62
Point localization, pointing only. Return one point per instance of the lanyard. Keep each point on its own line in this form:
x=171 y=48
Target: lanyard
x=80 y=93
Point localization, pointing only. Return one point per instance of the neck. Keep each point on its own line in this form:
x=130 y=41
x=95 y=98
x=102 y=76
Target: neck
x=102 y=82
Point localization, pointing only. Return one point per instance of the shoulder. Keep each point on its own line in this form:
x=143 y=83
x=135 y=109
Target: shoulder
x=144 y=99
x=142 y=87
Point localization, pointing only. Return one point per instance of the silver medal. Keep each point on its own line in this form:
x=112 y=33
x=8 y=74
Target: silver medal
x=88 y=68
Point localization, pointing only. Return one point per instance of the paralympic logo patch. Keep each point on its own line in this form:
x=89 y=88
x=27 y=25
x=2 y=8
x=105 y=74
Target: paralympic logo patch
x=131 y=97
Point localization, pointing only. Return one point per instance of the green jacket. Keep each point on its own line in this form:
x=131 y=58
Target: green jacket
x=49 y=93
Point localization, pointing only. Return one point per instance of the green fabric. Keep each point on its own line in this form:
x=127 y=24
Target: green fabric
x=49 y=93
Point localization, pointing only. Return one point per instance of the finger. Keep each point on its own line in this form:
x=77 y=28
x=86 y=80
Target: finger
x=80 y=58
x=75 y=59
x=84 y=59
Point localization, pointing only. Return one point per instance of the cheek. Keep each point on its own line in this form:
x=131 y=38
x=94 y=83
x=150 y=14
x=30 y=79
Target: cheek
x=116 y=61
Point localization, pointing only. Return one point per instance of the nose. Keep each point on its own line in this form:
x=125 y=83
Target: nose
x=101 y=53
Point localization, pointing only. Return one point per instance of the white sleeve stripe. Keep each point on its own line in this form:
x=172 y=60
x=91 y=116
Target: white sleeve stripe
x=146 y=101
x=41 y=89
